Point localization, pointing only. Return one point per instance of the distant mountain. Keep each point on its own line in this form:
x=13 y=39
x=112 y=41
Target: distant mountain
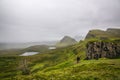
x=4 y=46
x=37 y=48
x=100 y=34
x=66 y=41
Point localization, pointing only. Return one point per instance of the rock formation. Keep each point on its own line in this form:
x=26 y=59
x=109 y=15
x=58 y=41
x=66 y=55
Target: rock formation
x=99 y=49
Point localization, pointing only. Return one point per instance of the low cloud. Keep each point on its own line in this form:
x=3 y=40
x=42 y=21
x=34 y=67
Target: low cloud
x=44 y=20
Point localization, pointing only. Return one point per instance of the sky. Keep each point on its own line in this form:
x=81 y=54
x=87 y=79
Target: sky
x=47 y=20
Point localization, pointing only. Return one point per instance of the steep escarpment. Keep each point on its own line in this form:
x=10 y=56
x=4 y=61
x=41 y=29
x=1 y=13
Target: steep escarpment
x=100 y=34
x=99 y=49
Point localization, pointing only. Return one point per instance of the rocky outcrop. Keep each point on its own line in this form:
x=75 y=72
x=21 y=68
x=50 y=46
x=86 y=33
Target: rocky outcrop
x=99 y=49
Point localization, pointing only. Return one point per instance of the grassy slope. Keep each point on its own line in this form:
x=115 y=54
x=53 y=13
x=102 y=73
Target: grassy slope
x=61 y=64
x=37 y=48
x=85 y=70
x=99 y=34
x=16 y=52
x=11 y=52
x=104 y=69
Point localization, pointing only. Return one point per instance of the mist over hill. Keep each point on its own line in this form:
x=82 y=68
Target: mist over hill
x=66 y=41
x=34 y=45
x=24 y=45
x=79 y=37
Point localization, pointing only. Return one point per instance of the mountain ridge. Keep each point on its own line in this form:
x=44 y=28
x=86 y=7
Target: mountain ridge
x=66 y=41
x=101 y=34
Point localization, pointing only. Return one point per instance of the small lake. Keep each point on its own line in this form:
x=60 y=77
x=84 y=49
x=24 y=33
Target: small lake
x=52 y=47
x=29 y=53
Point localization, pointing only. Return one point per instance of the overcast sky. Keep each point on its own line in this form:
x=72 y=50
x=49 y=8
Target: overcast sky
x=46 y=20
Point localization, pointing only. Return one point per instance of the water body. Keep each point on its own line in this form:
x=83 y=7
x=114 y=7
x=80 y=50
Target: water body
x=29 y=53
x=52 y=47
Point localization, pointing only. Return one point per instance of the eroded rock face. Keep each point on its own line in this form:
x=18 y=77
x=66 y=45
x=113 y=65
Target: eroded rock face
x=101 y=49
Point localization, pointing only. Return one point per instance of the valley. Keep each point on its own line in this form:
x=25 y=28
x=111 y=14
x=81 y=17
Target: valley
x=60 y=63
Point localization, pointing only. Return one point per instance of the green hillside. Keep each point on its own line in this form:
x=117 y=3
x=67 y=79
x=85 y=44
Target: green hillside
x=100 y=34
x=61 y=64
x=37 y=48
x=11 y=52
x=16 y=52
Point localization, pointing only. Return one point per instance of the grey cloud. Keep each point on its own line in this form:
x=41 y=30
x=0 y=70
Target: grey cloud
x=38 y=20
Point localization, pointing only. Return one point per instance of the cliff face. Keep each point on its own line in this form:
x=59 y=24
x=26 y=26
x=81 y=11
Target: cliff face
x=101 y=49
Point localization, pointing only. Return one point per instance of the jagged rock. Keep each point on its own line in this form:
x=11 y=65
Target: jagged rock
x=100 y=49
